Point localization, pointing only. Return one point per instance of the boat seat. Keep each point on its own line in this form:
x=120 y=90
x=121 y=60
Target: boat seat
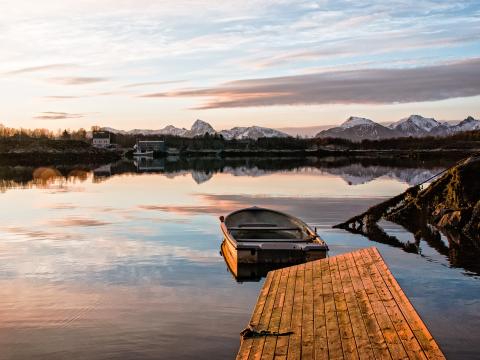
x=272 y=240
x=257 y=225
x=263 y=228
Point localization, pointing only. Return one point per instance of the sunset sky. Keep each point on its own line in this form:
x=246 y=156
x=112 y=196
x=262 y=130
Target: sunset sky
x=276 y=63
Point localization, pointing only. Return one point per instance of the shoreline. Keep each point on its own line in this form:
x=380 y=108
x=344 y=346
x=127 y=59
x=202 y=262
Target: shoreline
x=101 y=156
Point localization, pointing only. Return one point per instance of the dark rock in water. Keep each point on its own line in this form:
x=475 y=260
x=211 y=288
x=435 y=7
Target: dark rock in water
x=451 y=202
x=473 y=226
x=446 y=215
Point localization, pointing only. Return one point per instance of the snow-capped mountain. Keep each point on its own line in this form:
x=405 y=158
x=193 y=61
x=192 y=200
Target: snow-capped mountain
x=356 y=121
x=168 y=130
x=172 y=130
x=357 y=129
x=200 y=128
x=252 y=132
x=468 y=124
x=416 y=125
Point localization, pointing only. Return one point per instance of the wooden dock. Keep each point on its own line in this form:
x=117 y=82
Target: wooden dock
x=344 y=307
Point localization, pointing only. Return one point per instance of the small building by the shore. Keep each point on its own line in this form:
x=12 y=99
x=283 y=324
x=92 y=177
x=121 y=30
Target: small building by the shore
x=150 y=145
x=101 y=139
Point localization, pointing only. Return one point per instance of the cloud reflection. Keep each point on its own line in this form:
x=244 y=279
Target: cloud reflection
x=305 y=208
x=78 y=221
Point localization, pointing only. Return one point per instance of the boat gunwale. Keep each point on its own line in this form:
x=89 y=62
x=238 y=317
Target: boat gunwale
x=322 y=245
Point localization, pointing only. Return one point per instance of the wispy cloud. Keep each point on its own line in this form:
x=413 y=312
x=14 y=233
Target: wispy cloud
x=153 y=83
x=363 y=86
x=78 y=80
x=54 y=115
x=42 y=68
x=62 y=97
x=401 y=41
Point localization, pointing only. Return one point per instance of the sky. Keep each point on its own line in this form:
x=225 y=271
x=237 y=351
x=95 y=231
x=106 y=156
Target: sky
x=276 y=63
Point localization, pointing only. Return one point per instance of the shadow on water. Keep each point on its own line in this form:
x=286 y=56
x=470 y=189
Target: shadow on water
x=460 y=250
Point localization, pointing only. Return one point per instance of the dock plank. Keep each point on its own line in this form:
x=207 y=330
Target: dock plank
x=358 y=326
x=377 y=340
x=246 y=344
x=259 y=342
x=319 y=318
x=422 y=334
x=295 y=340
x=345 y=326
x=333 y=330
x=411 y=346
x=274 y=325
x=392 y=339
x=344 y=307
x=286 y=320
x=308 y=351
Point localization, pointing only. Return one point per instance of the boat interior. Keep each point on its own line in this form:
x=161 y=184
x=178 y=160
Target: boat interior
x=266 y=225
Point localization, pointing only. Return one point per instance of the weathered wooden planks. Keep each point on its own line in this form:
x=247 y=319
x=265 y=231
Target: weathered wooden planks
x=345 y=307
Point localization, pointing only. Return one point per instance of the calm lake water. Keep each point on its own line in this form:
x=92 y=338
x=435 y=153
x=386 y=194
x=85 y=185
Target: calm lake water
x=123 y=261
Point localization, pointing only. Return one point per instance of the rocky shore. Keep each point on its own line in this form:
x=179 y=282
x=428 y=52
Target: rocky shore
x=47 y=151
x=450 y=203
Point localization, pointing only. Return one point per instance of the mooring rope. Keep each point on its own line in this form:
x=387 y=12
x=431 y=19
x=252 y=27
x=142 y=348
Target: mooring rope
x=475 y=155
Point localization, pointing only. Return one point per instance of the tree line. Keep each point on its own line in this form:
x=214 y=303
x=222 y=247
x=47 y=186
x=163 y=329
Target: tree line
x=463 y=140
x=42 y=133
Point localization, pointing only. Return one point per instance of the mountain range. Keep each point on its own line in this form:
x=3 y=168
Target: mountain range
x=354 y=129
x=358 y=128
x=200 y=128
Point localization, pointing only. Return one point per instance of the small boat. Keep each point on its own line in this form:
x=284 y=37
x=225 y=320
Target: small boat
x=139 y=151
x=143 y=153
x=259 y=235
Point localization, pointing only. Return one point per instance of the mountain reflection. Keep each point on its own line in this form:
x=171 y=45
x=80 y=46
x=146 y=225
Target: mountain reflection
x=354 y=171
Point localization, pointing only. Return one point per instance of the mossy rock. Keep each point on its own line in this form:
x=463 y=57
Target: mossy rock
x=473 y=225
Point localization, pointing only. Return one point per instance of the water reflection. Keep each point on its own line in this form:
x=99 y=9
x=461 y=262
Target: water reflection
x=145 y=164
x=459 y=250
x=122 y=260
x=354 y=171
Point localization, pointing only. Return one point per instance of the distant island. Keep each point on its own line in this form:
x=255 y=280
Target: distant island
x=412 y=136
